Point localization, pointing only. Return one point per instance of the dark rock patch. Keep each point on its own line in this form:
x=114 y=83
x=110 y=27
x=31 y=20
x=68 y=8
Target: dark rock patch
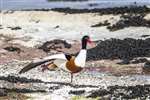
x=99 y=93
x=37 y=21
x=147 y=64
x=124 y=61
x=54 y=45
x=141 y=92
x=14 y=79
x=54 y=87
x=139 y=60
x=115 y=10
x=15 y=28
x=13 y=49
x=144 y=36
x=41 y=9
x=93 y=4
x=131 y=92
x=136 y=20
x=56 y=27
x=1 y=27
x=22 y=90
x=131 y=19
x=146 y=68
x=3 y=92
x=105 y=23
x=77 y=92
x=8 y=12
x=120 y=49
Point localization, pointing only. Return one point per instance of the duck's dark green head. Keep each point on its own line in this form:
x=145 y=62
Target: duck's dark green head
x=85 y=39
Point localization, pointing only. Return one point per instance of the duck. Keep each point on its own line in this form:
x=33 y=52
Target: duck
x=66 y=62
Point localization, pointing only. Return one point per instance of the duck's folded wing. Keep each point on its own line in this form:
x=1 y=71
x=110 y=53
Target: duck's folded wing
x=38 y=62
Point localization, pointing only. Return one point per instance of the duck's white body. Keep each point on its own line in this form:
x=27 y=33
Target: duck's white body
x=81 y=58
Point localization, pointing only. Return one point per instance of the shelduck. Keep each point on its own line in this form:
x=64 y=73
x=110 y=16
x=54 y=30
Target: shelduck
x=72 y=64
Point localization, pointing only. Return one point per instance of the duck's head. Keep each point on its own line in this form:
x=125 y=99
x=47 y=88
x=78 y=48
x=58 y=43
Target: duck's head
x=86 y=39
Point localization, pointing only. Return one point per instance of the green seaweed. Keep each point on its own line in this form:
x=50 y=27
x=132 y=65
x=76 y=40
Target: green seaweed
x=84 y=98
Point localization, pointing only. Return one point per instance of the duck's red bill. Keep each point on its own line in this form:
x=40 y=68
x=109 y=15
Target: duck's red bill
x=91 y=42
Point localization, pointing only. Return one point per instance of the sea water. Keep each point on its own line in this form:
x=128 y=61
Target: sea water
x=89 y=4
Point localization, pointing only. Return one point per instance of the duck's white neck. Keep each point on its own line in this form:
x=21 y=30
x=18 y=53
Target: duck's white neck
x=81 y=58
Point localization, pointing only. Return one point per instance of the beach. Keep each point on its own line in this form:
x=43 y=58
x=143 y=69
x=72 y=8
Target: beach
x=114 y=67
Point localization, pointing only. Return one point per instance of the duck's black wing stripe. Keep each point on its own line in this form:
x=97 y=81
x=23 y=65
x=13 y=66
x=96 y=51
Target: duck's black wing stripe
x=32 y=65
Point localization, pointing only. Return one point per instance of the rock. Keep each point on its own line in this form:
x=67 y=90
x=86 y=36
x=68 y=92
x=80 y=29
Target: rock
x=15 y=28
x=136 y=20
x=77 y=92
x=147 y=64
x=139 y=60
x=56 y=26
x=144 y=36
x=55 y=88
x=93 y=4
x=146 y=68
x=8 y=12
x=98 y=93
x=106 y=23
x=54 y=45
x=3 y=92
x=124 y=61
x=1 y=26
x=13 y=49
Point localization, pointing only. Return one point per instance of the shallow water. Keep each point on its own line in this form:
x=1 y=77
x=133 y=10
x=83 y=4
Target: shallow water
x=39 y=4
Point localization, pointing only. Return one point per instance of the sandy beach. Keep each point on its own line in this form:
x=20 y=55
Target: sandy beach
x=36 y=27
x=24 y=33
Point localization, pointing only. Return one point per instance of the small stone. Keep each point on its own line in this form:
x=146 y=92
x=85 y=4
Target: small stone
x=146 y=68
x=3 y=92
x=77 y=92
